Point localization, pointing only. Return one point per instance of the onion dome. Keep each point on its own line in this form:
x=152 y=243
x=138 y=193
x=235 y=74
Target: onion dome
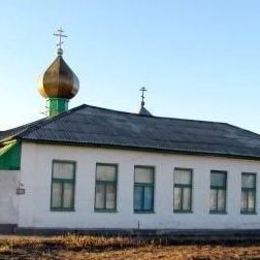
x=58 y=81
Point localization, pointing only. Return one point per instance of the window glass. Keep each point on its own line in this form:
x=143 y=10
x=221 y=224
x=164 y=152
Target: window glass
x=106 y=186
x=248 y=193
x=56 y=195
x=68 y=195
x=182 y=176
x=138 y=198
x=213 y=200
x=63 y=170
x=244 y=201
x=111 y=196
x=100 y=196
x=221 y=200
x=106 y=173
x=182 y=190
x=63 y=185
x=218 y=179
x=218 y=191
x=251 y=200
x=148 y=198
x=143 y=175
x=248 y=180
x=143 y=189
x=186 y=199
x=177 y=198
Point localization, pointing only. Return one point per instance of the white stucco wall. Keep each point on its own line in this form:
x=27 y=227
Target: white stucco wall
x=8 y=197
x=34 y=206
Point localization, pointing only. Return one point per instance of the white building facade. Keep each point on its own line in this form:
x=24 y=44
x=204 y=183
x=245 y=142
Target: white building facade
x=35 y=206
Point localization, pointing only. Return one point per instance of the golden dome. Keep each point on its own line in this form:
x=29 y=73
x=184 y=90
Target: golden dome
x=58 y=81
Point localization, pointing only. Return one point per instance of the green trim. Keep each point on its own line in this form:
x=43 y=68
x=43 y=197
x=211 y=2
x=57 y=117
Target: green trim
x=62 y=182
x=105 y=184
x=56 y=106
x=10 y=156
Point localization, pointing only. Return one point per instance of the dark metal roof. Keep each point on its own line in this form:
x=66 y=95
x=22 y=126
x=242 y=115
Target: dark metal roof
x=9 y=134
x=89 y=125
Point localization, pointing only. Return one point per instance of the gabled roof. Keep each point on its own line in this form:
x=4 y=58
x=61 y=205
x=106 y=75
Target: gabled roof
x=89 y=125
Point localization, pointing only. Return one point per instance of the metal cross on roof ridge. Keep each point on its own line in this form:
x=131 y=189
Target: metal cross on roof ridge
x=143 y=89
x=60 y=35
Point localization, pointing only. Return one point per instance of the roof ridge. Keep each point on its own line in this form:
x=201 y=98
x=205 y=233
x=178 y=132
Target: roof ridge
x=153 y=116
x=48 y=121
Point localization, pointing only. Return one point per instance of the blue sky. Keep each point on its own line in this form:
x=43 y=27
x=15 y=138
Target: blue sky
x=199 y=59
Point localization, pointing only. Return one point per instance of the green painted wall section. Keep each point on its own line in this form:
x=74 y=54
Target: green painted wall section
x=57 y=106
x=10 y=156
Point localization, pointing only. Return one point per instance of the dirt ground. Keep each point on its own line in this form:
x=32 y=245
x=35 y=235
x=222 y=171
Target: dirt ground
x=87 y=247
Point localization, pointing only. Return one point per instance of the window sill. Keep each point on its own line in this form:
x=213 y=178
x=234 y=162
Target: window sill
x=248 y=213
x=218 y=212
x=105 y=211
x=183 y=211
x=62 y=210
x=144 y=212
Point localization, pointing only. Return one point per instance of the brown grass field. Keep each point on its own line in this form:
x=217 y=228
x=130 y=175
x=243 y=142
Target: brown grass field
x=94 y=247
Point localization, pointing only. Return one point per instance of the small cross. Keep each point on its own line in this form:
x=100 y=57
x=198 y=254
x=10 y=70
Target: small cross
x=143 y=89
x=60 y=35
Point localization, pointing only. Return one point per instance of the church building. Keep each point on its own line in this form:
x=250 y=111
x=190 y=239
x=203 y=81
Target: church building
x=92 y=168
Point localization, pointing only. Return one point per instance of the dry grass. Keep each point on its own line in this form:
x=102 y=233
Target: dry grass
x=93 y=247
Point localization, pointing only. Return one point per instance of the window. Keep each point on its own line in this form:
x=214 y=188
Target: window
x=63 y=185
x=218 y=185
x=106 y=187
x=182 y=190
x=248 y=193
x=143 y=189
